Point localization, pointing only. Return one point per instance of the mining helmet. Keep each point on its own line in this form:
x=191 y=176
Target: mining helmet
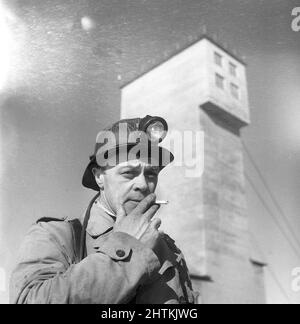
x=143 y=134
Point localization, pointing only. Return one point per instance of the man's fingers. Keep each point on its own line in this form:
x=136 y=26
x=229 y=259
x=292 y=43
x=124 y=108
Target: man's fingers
x=155 y=224
x=145 y=204
x=151 y=212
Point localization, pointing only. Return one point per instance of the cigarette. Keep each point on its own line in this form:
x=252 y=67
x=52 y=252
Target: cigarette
x=161 y=202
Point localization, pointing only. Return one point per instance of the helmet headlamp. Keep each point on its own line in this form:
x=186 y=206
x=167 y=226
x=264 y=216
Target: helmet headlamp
x=156 y=128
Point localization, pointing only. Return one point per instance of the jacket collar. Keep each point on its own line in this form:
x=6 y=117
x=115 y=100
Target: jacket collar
x=101 y=221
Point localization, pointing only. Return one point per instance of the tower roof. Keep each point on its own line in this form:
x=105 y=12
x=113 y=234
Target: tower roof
x=167 y=56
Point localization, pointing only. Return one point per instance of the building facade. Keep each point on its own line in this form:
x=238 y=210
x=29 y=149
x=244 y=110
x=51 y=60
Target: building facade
x=202 y=93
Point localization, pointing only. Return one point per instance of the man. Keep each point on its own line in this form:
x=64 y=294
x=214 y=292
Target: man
x=116 y=254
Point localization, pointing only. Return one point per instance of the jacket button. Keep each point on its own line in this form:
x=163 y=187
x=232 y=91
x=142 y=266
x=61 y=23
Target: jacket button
x=120 y=253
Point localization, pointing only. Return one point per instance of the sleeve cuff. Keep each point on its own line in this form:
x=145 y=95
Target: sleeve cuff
x=119 y=246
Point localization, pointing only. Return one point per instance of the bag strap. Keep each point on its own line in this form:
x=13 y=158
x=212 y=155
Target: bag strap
x=79 y=232
x=76 y=229
x=82 y=252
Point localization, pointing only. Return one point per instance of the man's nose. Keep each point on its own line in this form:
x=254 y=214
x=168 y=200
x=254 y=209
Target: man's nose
x=141 y=183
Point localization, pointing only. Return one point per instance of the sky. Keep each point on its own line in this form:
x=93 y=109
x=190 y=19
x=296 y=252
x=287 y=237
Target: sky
x=60 y=84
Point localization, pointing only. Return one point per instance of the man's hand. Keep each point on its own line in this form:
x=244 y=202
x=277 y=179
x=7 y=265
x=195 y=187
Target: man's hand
x=138 y=223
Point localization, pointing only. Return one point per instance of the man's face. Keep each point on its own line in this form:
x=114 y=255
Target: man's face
x=128 y=183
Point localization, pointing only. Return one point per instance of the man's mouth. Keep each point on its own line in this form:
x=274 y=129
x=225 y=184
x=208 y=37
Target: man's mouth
x=135 y=200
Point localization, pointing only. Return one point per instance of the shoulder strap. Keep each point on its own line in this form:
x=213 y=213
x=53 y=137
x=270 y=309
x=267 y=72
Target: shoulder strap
x=82 y=252
x=76 y=230
x=50 y=219
x=79 y=233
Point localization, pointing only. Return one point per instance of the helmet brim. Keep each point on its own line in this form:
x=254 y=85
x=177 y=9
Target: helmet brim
x=88 y=179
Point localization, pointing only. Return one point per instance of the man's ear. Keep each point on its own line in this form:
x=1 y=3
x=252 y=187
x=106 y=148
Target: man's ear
x=99 y=177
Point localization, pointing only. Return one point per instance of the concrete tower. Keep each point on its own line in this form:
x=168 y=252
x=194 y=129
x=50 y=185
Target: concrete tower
x=203 y=89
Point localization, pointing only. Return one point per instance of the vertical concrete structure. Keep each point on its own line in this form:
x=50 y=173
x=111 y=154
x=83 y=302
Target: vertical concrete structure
x=3 y=287
x=203 y=89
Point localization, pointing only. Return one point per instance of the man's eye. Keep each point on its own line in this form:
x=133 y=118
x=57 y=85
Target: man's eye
x=128 y=174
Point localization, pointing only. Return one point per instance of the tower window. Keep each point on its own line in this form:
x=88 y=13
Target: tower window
x=218 y=59
x=233 y=69
x=220 y=81
x=235 y=90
